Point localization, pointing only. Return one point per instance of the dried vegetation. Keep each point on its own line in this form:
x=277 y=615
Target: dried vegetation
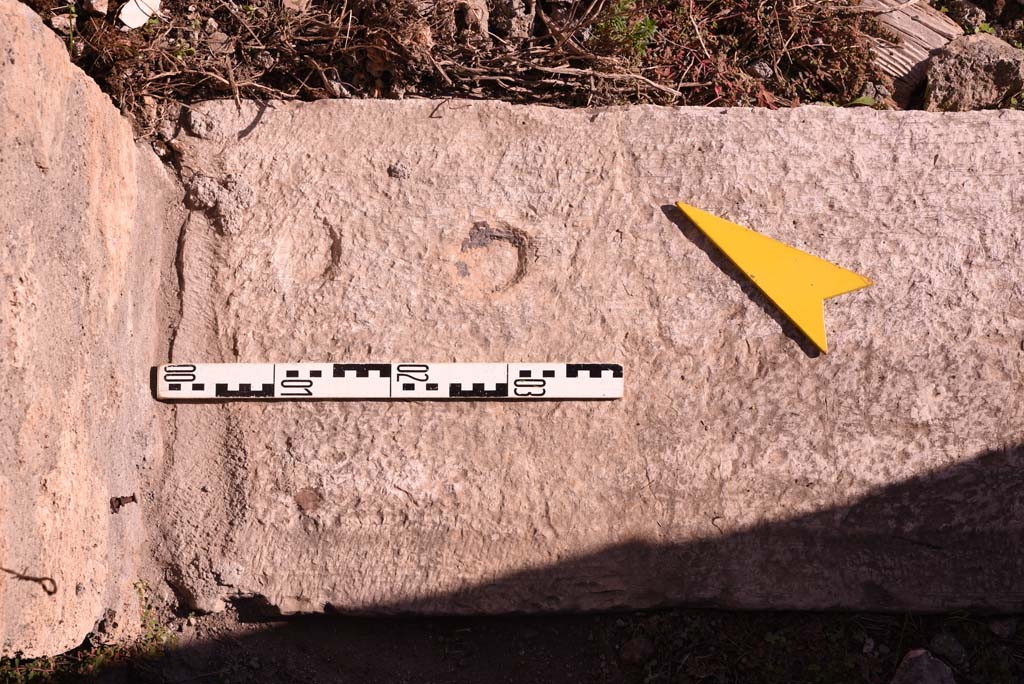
x=721 y=52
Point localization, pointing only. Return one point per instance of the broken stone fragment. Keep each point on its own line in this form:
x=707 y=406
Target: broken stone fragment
x=968 y=14
x=949 y=648
x=974 y=72
x=135 y=13
x=921 y=667
x=760 y=69
x=463 y=21
x=220 y=43
x=95 y=6
x=61 y=23
x=472 y=22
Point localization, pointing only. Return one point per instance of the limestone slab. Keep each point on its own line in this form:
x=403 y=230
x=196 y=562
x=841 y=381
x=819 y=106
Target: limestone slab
x=83 y=213
x=737 y=470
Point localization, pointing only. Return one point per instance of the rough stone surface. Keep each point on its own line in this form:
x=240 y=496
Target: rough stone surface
x=82 y=215
x=737 y=471
x=921 y=667
x=974 y=72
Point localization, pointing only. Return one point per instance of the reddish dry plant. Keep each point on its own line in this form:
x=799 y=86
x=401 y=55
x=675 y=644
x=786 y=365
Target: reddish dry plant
x=761 y=52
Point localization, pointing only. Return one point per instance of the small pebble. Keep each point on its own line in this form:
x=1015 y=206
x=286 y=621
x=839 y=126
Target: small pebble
x=947 y=647
x=760 y=70
x=95 y=6
x=61 y=23
x=637 y=650
x=973 y=15
x=919 y=667
x=1004 y=628
x=219 y=42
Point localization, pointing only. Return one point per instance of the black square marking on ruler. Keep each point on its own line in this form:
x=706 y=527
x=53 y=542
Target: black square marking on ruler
x=315 y=374
x=549 y=374
x=408 y=386
x=455 y=391
x=244 y=390
x=362 y=370
x=594 y=370
x=431 y=386
x=198 y=386
x=291 y=374
x=525 y=374
x=174 y=386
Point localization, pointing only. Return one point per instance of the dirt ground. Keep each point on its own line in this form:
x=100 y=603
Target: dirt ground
x=558 y=52
x=696 y=645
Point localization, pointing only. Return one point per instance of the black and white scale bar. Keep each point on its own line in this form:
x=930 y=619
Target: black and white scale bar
x=229 y=381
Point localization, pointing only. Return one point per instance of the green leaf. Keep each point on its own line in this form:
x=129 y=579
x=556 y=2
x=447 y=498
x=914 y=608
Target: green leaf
x=862 y=101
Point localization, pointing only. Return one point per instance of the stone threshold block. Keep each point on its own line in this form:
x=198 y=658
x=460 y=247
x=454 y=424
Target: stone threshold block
x=738 y=470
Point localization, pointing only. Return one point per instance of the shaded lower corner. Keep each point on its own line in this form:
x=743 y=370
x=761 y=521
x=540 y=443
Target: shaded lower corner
x=936 y=560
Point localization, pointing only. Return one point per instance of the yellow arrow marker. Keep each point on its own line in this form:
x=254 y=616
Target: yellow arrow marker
x=797 y=282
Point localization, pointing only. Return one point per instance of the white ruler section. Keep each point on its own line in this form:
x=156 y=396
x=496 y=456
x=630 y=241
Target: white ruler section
x=228 y=381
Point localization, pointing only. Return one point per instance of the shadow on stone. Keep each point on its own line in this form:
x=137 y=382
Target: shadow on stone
x=47 y=584
x=942 y=539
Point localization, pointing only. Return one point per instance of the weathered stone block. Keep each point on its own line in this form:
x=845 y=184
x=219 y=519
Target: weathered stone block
x=737 y=471
x=974 y=72
x=83 y=213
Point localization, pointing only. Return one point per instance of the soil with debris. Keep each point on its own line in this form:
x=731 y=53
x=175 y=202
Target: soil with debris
x=770 y=53
x=565 y=53
x=705 y=646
